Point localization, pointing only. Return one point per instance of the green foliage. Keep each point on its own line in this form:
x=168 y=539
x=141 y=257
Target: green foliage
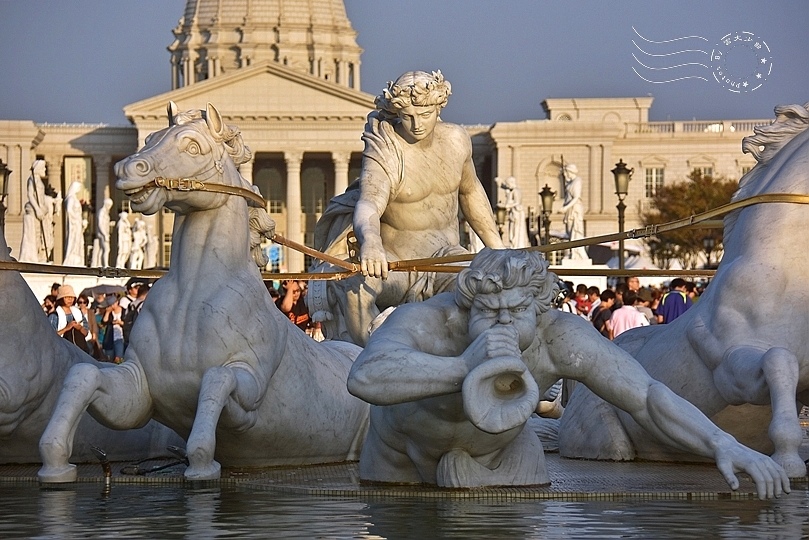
x=680 y=200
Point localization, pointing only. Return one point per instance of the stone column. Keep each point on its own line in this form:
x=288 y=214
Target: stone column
x=19 y=178
x=294 y=258
x=341 y=160
x=594 y=204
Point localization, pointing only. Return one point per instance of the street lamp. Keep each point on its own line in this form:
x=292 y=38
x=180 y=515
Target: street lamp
x=500 y=218
x=622 y=178
x=708 y=243
x=4 y=174
x=547 y=196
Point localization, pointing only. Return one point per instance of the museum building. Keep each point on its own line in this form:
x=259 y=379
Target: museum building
x=287 y=73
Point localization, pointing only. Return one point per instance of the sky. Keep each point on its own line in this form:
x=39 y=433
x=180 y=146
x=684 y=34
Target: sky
x=83 y=60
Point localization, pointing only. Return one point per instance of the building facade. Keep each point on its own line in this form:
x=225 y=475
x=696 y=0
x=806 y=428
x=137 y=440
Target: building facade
x=287 y=73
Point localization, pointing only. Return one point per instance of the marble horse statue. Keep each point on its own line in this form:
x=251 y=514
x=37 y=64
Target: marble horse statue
x=214 y=358
x=34 y=361
x=741 y=354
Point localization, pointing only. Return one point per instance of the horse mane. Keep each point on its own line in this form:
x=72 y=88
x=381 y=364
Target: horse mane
x=764 y=144
x=261 y=226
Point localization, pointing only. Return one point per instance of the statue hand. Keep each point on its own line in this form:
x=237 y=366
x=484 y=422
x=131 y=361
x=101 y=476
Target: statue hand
x=770 y=478
x=496 y=342
x=373 y=260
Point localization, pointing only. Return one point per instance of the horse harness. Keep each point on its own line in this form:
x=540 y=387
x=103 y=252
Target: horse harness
x=190 y=184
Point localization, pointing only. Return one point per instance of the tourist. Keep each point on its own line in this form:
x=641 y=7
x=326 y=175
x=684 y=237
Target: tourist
x=644 y=305
x=114 y=329
x=583 y=302
x=675 y=302
x=602 y=312
x=49 y=304
x=594 y=295
x=68 y=320
x=627 y=316
x=292 y=304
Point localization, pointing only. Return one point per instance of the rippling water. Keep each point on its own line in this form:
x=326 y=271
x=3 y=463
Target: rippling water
x=132 y=511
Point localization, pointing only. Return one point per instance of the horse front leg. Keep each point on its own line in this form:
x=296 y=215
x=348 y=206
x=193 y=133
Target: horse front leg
x=751 y=375
x=118 y=397
x=232 y=393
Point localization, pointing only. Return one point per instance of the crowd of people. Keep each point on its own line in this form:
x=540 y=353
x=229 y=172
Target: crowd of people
x=613 y=311
x=99 y=324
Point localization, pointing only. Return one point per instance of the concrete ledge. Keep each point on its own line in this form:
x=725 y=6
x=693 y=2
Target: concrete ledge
x=571 y=480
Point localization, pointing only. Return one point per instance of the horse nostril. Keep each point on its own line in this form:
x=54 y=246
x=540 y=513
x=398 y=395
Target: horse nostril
x=137 y=167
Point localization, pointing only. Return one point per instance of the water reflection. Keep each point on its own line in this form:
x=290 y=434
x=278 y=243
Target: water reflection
x=133 y=511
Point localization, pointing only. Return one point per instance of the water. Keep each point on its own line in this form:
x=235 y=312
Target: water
x=141 y=511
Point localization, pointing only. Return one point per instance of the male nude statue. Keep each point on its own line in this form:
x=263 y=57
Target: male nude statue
x=416 y=368
x=417 y=171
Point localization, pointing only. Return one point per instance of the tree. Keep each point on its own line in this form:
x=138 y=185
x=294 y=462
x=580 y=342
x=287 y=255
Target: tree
x=698 y=194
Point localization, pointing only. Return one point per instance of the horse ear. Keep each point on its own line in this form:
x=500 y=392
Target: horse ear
x=214 y=121
x=171 y=109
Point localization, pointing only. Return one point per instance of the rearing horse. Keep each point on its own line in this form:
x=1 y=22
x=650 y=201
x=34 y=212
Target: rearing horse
x=210 y=355
x=741 y=354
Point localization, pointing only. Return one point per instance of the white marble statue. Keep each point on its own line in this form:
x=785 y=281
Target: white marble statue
x=34 y=361
x=53 y=209
x=123 y=231
x=214 y=358
x=101 y=247
x=509 y=198
x=455 y=378
x=139 y=239
x=740 y=354
x=74 y=235
x=152 y=245
x=417 y=172
x=573 y=210
x=33 y=247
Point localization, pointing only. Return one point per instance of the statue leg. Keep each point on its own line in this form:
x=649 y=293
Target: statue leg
x=117 y=396
x=222 y=392
x=752 y=375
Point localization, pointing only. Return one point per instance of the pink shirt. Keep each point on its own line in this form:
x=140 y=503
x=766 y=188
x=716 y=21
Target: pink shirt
x=626 y=317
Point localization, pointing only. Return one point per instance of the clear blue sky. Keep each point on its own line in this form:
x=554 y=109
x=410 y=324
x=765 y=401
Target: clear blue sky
x=83 y=60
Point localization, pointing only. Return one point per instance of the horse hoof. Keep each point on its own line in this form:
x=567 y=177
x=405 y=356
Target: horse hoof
x=57 y=475
x=792 y=464
x=209 y=472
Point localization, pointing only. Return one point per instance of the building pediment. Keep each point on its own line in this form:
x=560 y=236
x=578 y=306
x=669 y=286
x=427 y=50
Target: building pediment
x=265 y=91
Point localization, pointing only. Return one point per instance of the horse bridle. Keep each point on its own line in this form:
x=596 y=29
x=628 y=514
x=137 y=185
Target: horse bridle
x=191 y=184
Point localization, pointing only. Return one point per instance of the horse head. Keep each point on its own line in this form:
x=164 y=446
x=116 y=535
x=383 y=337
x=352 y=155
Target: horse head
x=183 y=166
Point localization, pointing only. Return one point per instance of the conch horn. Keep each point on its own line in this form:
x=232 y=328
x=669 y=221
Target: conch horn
x=499 y=394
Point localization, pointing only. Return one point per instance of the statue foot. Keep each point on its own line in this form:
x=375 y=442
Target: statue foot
x=57 y=475
x=792 y=464
x=212 y=471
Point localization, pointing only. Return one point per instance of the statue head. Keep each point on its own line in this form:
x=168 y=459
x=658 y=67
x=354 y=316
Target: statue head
x=506 y=286
x=571 y=171
x=417 y=88
x=38 y=168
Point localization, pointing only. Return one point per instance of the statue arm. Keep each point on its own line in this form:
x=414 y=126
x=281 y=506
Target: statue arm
x=572 y=194
x=475 y=205
x=618 y=378
x=375 y=191
x=402 y=361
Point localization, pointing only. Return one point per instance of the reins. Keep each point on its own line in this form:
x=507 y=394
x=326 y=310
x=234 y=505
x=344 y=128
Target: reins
x=435 y=264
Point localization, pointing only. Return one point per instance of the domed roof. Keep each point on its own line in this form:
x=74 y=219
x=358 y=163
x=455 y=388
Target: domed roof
x=312 y=36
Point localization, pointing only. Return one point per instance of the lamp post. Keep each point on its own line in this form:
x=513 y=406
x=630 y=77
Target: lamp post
x=500 y=218
x=622 y=178
x=4 y=174
x=708 y=243
x=547 y=196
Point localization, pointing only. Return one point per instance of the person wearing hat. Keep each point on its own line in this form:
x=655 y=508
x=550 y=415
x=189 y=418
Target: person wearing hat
x=68 y=320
